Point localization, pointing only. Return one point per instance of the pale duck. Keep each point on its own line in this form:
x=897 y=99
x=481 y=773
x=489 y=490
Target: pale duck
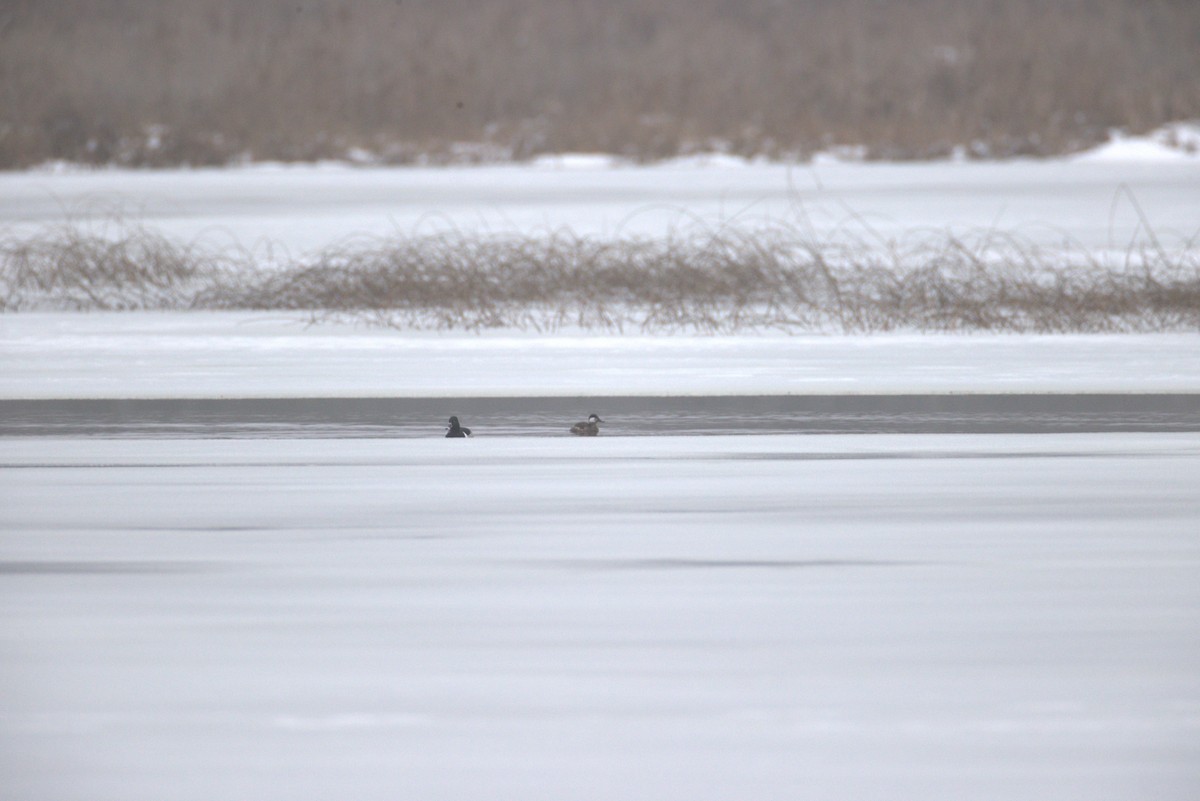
x=587 y=429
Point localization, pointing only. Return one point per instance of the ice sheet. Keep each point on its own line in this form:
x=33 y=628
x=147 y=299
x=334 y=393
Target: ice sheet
x=714 y=618
x=146 y=354
x=303 y=208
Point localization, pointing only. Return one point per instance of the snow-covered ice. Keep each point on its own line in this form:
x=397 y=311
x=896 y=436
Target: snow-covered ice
x=182 y=354
x=300 y=209
x=881 y=617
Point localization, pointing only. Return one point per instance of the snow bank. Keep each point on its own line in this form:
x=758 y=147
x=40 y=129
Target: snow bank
x=1179 y=142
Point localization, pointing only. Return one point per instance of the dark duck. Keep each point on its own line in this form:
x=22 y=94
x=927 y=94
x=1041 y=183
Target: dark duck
x=589 y=428
x=456 y=431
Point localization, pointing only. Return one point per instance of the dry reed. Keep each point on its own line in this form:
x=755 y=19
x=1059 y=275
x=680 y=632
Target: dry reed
x=722 y=280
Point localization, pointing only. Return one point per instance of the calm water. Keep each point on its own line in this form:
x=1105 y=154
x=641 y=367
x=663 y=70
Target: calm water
x=624 y=416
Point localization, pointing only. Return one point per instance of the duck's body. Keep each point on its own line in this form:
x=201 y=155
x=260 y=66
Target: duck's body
x=456 y=431
x=588 y=428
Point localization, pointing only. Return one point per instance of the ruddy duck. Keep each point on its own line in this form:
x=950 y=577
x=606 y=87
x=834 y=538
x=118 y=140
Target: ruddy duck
x=456 y=431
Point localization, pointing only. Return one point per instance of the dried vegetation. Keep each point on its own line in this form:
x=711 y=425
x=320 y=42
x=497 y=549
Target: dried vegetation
x=720 y=280
x=196 y=82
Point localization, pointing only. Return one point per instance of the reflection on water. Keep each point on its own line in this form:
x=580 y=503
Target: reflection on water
x=266 y=418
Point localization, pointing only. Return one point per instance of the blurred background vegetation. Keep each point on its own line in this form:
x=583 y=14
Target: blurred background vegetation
x=169 y=82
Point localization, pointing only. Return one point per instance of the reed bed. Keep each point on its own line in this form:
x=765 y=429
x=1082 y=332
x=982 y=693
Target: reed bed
x=718 y=281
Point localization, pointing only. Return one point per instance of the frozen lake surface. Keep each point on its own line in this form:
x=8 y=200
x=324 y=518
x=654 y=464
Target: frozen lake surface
x=254 y=355
x=237 y=560
x=725 y=617
x=1099 y=204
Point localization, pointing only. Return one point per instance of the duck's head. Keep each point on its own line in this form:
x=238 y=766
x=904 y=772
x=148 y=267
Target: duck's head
x=594 y=418
x=454 y=422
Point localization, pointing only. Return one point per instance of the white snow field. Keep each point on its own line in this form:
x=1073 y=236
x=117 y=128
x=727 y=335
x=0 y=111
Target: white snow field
x=251 y=354
x=793 y=617
x=294 y=210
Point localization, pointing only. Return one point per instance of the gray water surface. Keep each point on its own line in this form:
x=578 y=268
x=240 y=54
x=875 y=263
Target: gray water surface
x=624 y=416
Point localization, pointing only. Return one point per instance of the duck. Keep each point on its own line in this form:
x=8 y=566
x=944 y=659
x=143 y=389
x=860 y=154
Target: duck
x=590 y=428
x=456 y=431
